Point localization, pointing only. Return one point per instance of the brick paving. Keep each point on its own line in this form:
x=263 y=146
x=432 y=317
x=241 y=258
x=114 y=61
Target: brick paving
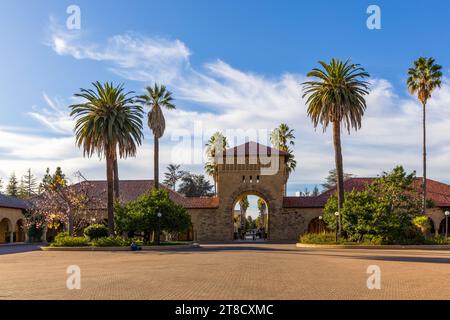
x=228 y=271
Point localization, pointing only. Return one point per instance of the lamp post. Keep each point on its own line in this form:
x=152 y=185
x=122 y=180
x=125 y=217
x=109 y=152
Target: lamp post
x=337 y=221
x=320 y=223
x=158 y=235
x=447 y=213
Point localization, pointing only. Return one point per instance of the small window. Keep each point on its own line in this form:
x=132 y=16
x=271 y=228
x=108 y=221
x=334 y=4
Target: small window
x=251 y=179
x=243 y=179
x=257 y=179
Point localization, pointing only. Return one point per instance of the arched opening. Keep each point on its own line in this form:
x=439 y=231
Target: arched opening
x=442 y=227
x=250 y=218
x=317 y=225
x=5 y=231
x=19 y=232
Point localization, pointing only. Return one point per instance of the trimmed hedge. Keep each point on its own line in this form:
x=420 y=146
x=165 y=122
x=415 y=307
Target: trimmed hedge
x=96 y=231
x=64 y=240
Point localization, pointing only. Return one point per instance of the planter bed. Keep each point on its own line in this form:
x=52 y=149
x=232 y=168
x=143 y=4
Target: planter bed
x=368 y=246
x=144 y=248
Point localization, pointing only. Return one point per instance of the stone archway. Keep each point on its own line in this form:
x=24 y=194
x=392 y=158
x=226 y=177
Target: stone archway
x=19 y=231
x=264 y=231
x=249 y=190
x=6 y=231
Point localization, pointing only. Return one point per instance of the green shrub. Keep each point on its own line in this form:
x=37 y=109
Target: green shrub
x=423 y=223
x=318 y=238
x=110 y=242
x=95 y=231
x=64 y=240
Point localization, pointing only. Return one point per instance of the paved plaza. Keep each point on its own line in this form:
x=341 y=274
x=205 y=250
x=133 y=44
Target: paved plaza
x=228 y=271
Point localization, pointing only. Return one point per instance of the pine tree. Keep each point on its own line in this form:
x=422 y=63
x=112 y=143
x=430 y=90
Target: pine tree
x=315 y=191
x=46 y=181
x=1 y=185
x=59 y=177
x=28 y=185
x=12 y=189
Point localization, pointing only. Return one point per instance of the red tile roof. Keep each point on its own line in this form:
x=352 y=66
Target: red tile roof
x=437 y=192
x=253 y=149
x=132 y=189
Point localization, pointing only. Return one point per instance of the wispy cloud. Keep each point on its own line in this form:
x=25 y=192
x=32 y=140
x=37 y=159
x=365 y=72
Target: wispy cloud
x=234 y=99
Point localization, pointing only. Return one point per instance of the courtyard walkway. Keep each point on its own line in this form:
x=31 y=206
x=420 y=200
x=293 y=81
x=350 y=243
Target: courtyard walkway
x=228 y=271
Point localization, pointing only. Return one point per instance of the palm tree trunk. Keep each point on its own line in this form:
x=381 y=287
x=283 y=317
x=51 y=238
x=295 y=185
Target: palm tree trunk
x=339 y=169
x=156 y=162
x=110 y=182
x=424 y=183
x=116 y=180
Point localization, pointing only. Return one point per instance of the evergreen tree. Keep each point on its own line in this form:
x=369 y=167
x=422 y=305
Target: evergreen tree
x=331 y=180
x=46 y=181
x=315 y=191
x=1 y=185
x=28 y=185
x=12 y=189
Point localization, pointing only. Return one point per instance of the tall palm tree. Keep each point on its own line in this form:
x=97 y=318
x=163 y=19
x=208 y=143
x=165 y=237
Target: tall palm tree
x=156 y=98
x=217 y=143
x=423 y=78
x=172 y=175
x=336 y=95
x=108 y=121
x=281 y=138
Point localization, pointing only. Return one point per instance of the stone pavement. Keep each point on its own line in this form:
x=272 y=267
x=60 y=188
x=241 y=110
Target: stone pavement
x=228 y=271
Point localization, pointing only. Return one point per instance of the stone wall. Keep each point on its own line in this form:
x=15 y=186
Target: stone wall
x=9 y=216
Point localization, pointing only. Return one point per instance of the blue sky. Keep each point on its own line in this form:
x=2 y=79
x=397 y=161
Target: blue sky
x=231 y=64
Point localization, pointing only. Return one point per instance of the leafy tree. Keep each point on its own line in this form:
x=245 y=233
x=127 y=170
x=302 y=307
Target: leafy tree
x=1 y=185
x=140 y=215
x=173 y=175
x=216 y=144
x=12 y=189
x=423 y=79
x=157 y=98
x=331 y=179
x=108 y=121
x=67 y=204
x=195 y=185
x=337 y=96
x=250 y=223
x=385 y=209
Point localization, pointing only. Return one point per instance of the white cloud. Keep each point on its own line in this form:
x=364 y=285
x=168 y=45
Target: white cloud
x=229 y=98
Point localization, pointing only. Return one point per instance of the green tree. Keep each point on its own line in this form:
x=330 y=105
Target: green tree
x=282 y=138
x=108 y=121
x=30 y=185
x=216 y=144
x=315 y=191
x=336 y=95
x=46 y=181
x=423 y=79
x=385 y=209
x=195 y=185
x=1 y=185
x=173 y=175
x=331 y=179
x=12 y=189
x=157 y=98
x=140 y=215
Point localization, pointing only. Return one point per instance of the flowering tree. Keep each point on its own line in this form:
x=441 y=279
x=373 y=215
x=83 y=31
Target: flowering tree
x=70 y=205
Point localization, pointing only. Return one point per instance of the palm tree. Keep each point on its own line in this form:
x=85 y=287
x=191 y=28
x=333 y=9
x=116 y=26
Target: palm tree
x=281 y=138
x=337 y=96
x=157 y=98
x=215 y=145
x=109 y=121
x=423 y=78
x=172 y=175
